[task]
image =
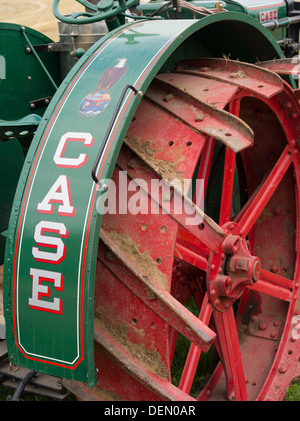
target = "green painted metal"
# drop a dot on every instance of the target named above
(25, 81)
(53, 233)
(260, 10)
(21, 81)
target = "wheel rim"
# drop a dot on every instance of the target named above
(255, 325)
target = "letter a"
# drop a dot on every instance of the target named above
(59, 193)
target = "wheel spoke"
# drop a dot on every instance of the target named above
(173, 332)
(187, 239)
(205, 162)
(189, 256)
(227, 189)
(228, 178)
(278, 280)
(191, 363)
(230, 354)
(272, 290)
(273, 285)
(255, 206)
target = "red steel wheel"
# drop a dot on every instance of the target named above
(239, 265)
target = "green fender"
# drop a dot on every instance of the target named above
(54, 227)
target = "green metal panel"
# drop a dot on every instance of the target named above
(53, 233)
(261, 10)
(22, 80)
(264, 11)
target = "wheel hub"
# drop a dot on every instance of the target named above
(231, 269)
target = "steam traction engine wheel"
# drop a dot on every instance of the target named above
(247, 289)
(190, 301)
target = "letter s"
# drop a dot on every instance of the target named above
(50, 242)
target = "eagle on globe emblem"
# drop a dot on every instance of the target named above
(95, 102)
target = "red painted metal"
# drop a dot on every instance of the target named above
(160, 386)
(193, 357)
(227, 188)
(156, 298)
(151, 265)
(244, 75)
(230, 355)
(258, 203)
(272, 290)
(186, 239)
(228, 177)
(277, 280)
(190, 256)
(285, 66)
(205, 162)
(169, 93)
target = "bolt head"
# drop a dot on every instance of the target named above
(274, 269)
(277, 211)
(282, 369)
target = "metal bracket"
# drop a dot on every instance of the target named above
(175, 9)
(52, 47)
(40, 103)
(23, 30)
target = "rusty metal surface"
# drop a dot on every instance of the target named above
(174, 97)
(156, 146)
(168, 308)
(244, 75)
(136, 321)
(164, 389)
(286, 66)
(82, 392)
(265, 326)
(172, 197)
(150, 265)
